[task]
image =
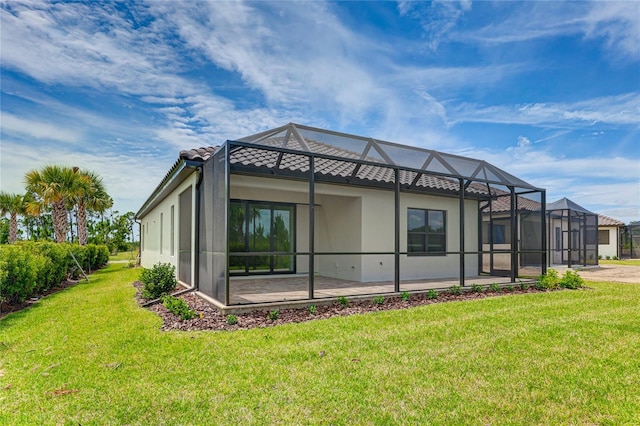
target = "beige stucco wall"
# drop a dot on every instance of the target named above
(354, 219)
(153, 233)
(448, 266)
(282, 191)
(610, 249)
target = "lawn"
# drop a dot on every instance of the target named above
(89, 355)
(627, 262)
(124, 255)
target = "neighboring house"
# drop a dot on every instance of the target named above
(573, 234)
(299, 213)
(631, 241)
(578, 250)
(609, 233)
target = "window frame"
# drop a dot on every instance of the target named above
(272, 206)
(601, 232)
(426, 233)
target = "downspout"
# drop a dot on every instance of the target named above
(195, 285)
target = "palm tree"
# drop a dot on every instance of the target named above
(53, 186)
(91, 196)
(12, 204)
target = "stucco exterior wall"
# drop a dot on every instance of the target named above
(610, 249)
(158, 243)
(355, 219)
(418, 267)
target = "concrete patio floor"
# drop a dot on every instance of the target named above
(250, 290)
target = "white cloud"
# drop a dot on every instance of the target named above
(12, 124)
(437, 18)
(127, 178)
(618, 110)
(597, 183)
(523, 141)
(616, 23)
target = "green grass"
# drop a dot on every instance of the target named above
(566, 357)
(124, 255)
(628, 262)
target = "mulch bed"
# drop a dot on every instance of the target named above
(210, 318)
(7, 308)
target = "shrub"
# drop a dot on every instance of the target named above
(495, 287)
(31, 267)
(608, 257)
(21, 270)
(431, 294)
(523, 285)
(232, 319)
(343, 301)
(548, 281)
(455, 290)
(178, 307)
(58, 269)
(476, 288)
(614, 258)
(158, 280)
(509, 288)
(600, 256)
(80, 254)
(378, 300)
(273, 315)
(571, 280)
(312, 309)
(405, 296)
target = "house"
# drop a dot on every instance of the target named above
(630, 243)
(609, 237)
(299, 213)
(573, 234)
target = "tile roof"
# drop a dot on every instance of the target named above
(310, 140)
(608, 221)
(566, 204)
(198, 154)
(332, 167)
(503, 203)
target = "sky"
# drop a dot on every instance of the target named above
(548, 91)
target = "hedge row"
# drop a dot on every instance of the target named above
(29, 268)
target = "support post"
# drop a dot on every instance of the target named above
(396, 279)
(514, 235)
(312, 226)
(227, 209)
(461, 250)
(569, 239)
(543, 231)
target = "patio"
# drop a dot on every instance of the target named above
(251, 290)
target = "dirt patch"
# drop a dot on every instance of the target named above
(209, 318)
(612, 273)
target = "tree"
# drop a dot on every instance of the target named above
(12, 204)
(4, 230)
(89, 195)
(52, 187)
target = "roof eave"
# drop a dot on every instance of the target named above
(180, 170)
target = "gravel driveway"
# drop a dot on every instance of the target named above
(612, 273)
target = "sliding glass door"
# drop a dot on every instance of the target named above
(260, 227)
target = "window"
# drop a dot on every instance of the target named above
(257, 227)
(426, 231)
(603, 237)
(172, 239)
(499, 234)
(161, 232)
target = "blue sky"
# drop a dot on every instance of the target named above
(549, 91)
